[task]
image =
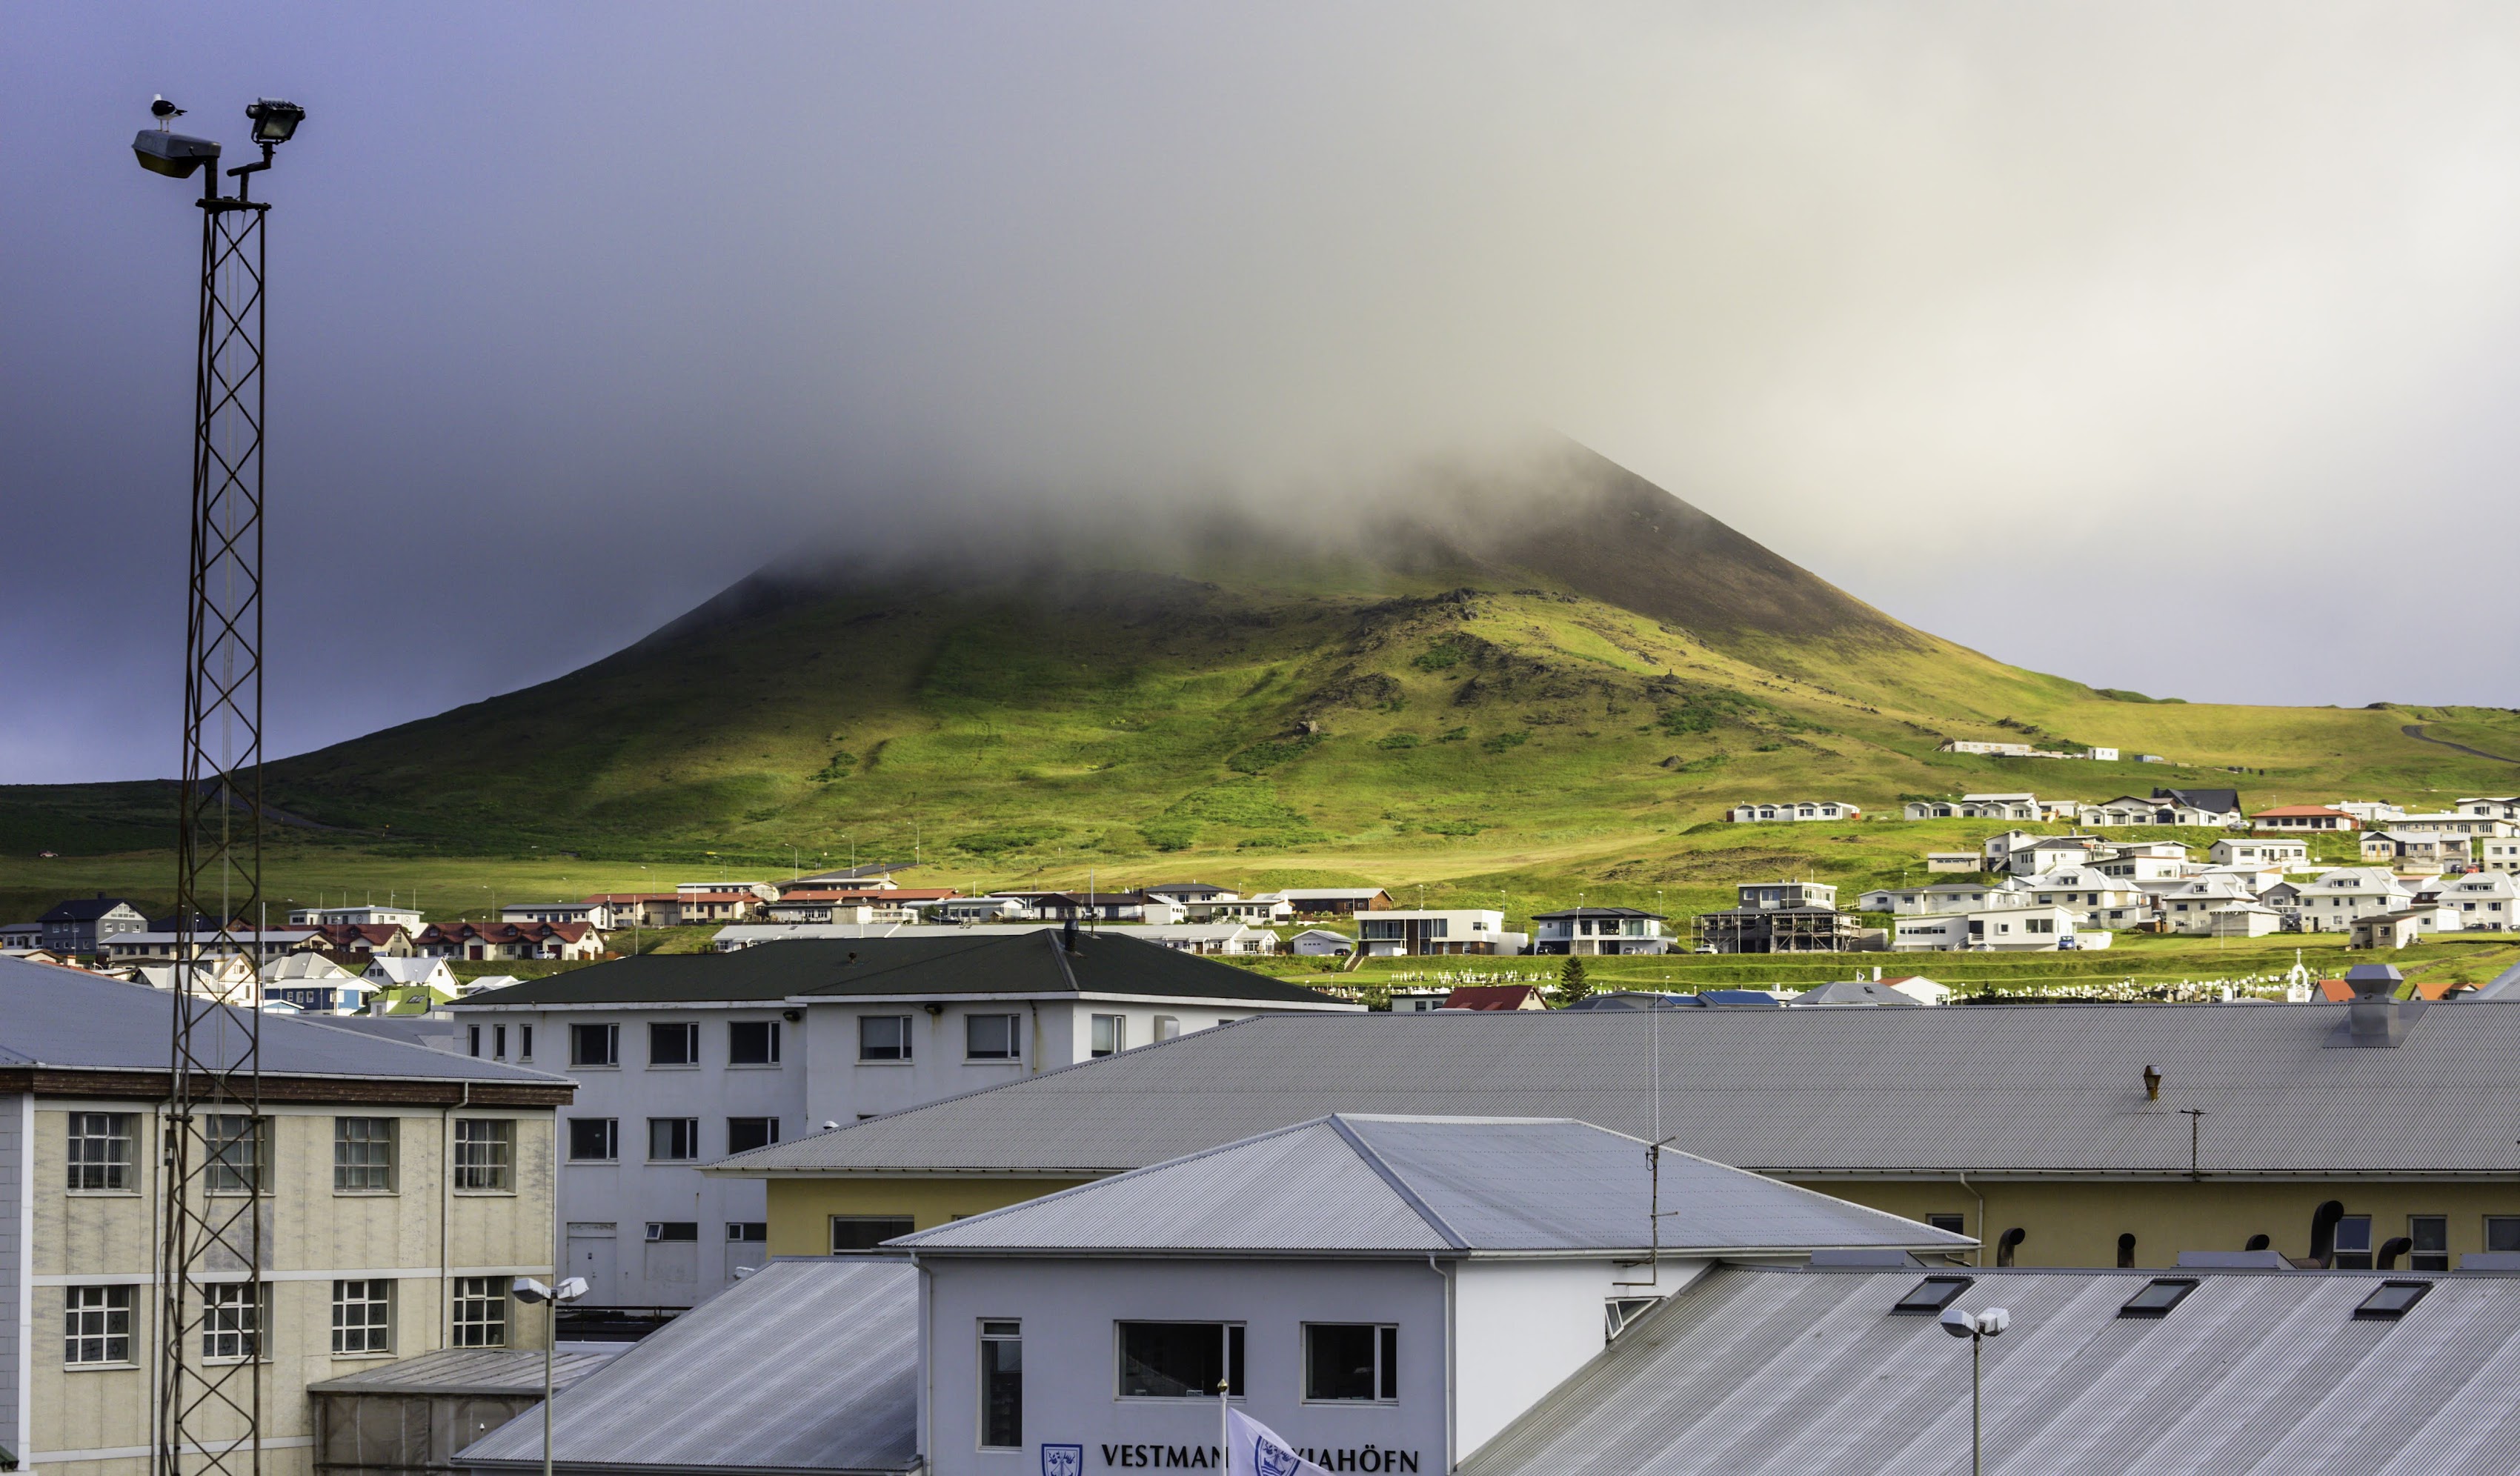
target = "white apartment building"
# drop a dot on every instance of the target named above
(2331, 901)
(2488, 899)
(1793, 810)
(2048, 852)
(2259, 851)
(366, 914)
(2006, 806)
(1946, 898)
(685, 1059)
(1400, 931)
(2098, 899)
(2020, 929)
(2490, 806)
(2190, 907)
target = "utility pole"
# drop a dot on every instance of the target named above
(208, 1416)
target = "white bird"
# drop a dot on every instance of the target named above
(161, 109)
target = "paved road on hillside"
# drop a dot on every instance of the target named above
(2415, 730)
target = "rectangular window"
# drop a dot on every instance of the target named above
(671, 1139)
(524, 1043)
(481, 1313)
(362, 1155)
(363, 1317)
(595, 1044)
(1351, 1360)
(2158, 1297)
(1110, 1034)
(235, 1148)
(2502, 1232)
(673, 1230)
(884, 1037)
(96, 1325)
(1928, 1297)
(674, 1045)
(989, 1037)
(499, 1041)
(753, 1042)
(233, 1314)
(486, 1154)
(1179, 1359)
(1958, 1224)
(1167, 1027)
(472, 1039)
(2354, 1244)
(594, 1140)
(1002, 1386)
(2430, 1237)
(748, 1231)
(744, 1134)
(101, 1152)
(865, 1231)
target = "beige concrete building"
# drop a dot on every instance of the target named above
(400, 1190)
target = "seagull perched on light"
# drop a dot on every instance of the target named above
(161, 109)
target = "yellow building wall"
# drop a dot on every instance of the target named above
(801, 1209)
(313, 1236)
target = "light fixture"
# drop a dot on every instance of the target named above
(273, 121)
(173, 155)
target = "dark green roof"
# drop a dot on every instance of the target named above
(950, 962)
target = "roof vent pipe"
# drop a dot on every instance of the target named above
(2322, 1232)
(2151, 1084)
(2391, 1250)
(1068, 933)
(2375, 1018)
(2011, 1241)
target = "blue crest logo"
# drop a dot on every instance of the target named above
(1063, 1461)
(1270, 1458)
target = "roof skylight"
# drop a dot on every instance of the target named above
(2158, 1296)
(1928, 1297)
(2390, 1300)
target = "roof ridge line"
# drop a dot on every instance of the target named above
(1058, 954)
(1399, 1186)
(1139, 1172)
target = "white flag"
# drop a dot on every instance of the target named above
(1252, 1449)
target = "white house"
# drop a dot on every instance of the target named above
(684, 1060)
(2048, 852)
(2454, 822)
(1997, 848)
(2190, 908)
(1226, 937)
(366, 913)
(1263, 910)
(430, 974)
(1321, 942)
(2498, 855)
(2139, 867)
(1394, 932)
(1951, 861)
(2488, 900)
(1802, 809)
(966, 910)
(315, 984)
(2007, 806)
(2418, 849)
(2099, 900)
(2490, 806)
(1945, 898)
(2255, 850)
(558, 912)
(2025, 929)
(2330, 903)
(1599, 931)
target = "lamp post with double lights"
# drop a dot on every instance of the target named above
(1977, 1327)
(529, 1291)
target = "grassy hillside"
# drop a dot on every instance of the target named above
(1510, 713)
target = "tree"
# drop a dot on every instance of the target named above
(1571, 983)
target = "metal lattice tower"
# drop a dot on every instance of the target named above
(214, 1218)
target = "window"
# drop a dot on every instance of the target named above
(96, 1323)
(362, 1155)
(1351, 1360)
(363, 1317)
(744, 1134)
(884, 1037)
(232, 1319)
(673, 1230)
(747, 1232)
(485, 1155)
(2502, 1232)
(753, 1042)
(595, 1044)
(499, 1041)
(524, 1043)
(236, 1148)
(594, 1140)
(481, 1313)
(673, 1139)
(1110, 1034)
(2429, 1242)
(989, 1037)
(1179, 1359)
(99, 1156)
(2390, 1300)
(674, 1045)
(1957, 1225)
(1002, 1385)
(2158, 1296)
(472, 1039)
(1928, 1297)
(1618, 1312)
(2353, 1243)
(865, 1231)
(1167, 1028)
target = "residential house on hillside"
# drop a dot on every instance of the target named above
(1226, 938)
(1394, 932)
(493, 941)
(365, 914)
(1793, 810)
(1186, 892)
(2048, 852)
(1598, 930)
(1104, 907)
(2167, 807)
(2294, 819)
(2098, 899)
(1493, 997)
(1264, 911)
(682, 1059)
(626, 909)
(2414, 848)
(875, 874)
(2009, 806)
(1951, 861)
(2488, 900)
(1779, 917)
(316, 985)
(1321, 942)
(967, 910)
(81, 927)
(156, 947)
(899, 904)
(22, 936)
(2497, 855)
(1946, 897)
(430, 974)
(2452, 822)
(2035, 928)
(2490, 806)
(2330, 903)
(2260, 850)
(1997, 847)
(2144, 865)
(1335, 901)
(2190, 907)
(698, 903)
(389, 940)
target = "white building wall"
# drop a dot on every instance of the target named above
(1523, 1327)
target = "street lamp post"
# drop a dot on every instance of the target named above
(529, 1291)
(1977, 1327)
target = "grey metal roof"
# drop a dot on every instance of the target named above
(1366, 1185)
(804, 1365)
(1851, 992)
(1755, 1370)
(1863, 1093)
(470, 1371)
(64, 1020)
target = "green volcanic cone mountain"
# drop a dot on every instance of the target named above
(1540, 668)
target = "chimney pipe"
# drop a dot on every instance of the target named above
(2151, 1085)
(2391, 1250)
(2322, 1233)
(2375, 1018)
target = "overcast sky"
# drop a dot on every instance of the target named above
(2169, 346)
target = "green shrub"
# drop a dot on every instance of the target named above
(1437, 659)
(1700, 710)
(1169, 834)
(1399, 740)
(1499, 742)
(1270, 754)
(1453, 736)
(1452, 826)
(1004, 839)
(837, 768)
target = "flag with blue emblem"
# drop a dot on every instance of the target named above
(1252, 1449)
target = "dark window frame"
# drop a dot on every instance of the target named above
(871, 1051)
(1001, 1384)
(2160, 1296)
(1010, 1023)
(768, 1050)
(609, 1052)
(686, 1033)
(609, 1129)
(755, 1133)
(1928, 1297)
(1232, 1342)
(101, 1152)
(687, 1129)
(873, 1230)
(1382, 1371)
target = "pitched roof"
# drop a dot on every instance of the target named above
(2219, 801)
(954, 962)
(82, 909)
(1493, 997)
(1853, 1092)
(803, 1365)
(1371, 1185)
(2305, 810)
(1756, 1369)
(1856, 992)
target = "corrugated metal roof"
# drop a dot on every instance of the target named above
(1367, 1184)
(470, 1371)
(952, 961)
(62, 1018)
(804, 1365)
(1763, 1370)
(1993, 1088)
